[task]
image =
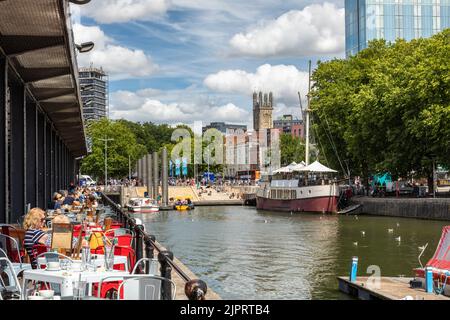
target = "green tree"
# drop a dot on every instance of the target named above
(387, 108)
(291, 149)
(122, 146)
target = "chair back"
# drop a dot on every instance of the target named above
(11, 247)
(151, 263)
(126, 252)
(13, 284)
(53, 257)
(145, 287)
(62, 236)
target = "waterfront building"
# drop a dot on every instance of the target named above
(40, 106)
(94, 93)
(223, 127)
(262, 111)
(287, 124)
(366, 20)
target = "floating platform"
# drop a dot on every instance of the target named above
(389, 288)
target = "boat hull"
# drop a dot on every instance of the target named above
(328, 204)
(143, 209)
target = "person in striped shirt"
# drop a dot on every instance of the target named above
(33, 224)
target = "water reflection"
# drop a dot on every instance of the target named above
(243, 253)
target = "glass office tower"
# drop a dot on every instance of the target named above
(366, 20)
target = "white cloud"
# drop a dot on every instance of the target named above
(285, 81)
(146, 105)
(112, 11)
(119, 62)
(318, 29)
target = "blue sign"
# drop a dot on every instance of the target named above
(185, 170)
(177, 167)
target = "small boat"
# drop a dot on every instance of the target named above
(142, 205)
(440, 262)
(183, 204)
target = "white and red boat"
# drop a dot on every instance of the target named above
(440, 262)
(299, 188)
(142, 205)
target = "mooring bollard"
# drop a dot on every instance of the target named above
(166, 272)
(354, 269)
(195, 289)
(429, 279)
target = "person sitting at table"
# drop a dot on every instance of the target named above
(34, 234)
(91, 203)
(69, 199)
(57, 200)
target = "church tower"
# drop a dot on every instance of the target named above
(262, 111)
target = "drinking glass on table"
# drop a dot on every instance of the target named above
(79, 290)
(109, 257)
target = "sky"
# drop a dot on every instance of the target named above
(180, 61)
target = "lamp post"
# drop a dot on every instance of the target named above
(106, 158)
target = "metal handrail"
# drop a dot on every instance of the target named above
(195, 289)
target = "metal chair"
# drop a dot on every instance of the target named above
(53, 257)
(11, 247)
(152, 265)
(140, 287)
(7, 268)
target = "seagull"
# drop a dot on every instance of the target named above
(355, 243)
(390, 230)
(398, 224)
(398, 239)
(422, 248)
(363, 233)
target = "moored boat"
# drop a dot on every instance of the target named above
(440, 264)
(142, 205)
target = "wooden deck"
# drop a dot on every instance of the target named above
(389, 288)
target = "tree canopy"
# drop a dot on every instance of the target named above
(386, 108)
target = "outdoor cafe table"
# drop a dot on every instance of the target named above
(66, 278)
(98, 260)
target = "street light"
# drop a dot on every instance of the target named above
(106, 158)
(85, 47)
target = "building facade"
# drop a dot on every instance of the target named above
(223, 127)
(94, 93)
(262, 111)
(366, 20)
(287, 124)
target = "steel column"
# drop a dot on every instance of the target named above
(41, 160)
(31, 155)
(144, 171)
(155, 174)
(149, 176)
(164, 177)
(4, 208)
(17, 156)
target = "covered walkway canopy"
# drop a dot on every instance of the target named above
(40, 105)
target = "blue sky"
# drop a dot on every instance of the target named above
(179, 61)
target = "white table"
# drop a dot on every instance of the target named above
(66, 278)
(98, 260)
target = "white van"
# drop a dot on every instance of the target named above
(87, 180)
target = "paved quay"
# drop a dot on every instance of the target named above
(421, 208)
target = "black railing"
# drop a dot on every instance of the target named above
(195, 289)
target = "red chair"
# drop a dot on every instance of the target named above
(76, 230)
(126, 252)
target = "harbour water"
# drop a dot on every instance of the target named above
(243, 253)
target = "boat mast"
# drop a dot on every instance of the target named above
(307, 116)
